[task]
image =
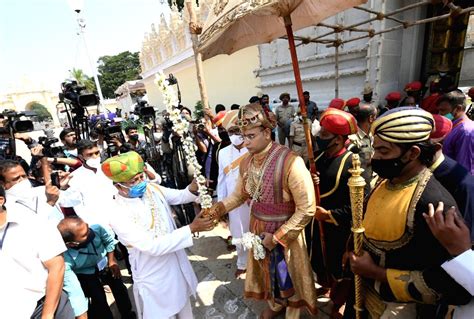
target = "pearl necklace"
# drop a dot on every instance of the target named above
(158, 226)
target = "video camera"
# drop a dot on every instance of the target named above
(11, 123)
(143, 110)
(110, 132)
(14, 124)
(72, 93)
(48, 149)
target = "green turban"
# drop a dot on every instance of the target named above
(123, 167)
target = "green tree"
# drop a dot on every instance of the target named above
(198, 111)
(41, 111)
(83, 79)
(116, 69)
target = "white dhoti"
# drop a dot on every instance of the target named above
(239, 218)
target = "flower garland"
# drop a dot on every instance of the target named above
(250, 240)
(181, 127)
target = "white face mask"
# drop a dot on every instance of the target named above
(23, 190)
(93, 162)
(236, 140)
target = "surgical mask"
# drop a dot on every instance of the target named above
(323, 144)
(134, 137)
(93, 162)
(388, 168)
(85, 243)
(71, 152)
(442, 74)
(22, 189)
(137, 190)
(449, 116)
(236, 140)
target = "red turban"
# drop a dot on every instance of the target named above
(353, 102)
(442, 128)
(413, 86)
(393, 96)
(219, 118)
(338, 122)
(337, 104)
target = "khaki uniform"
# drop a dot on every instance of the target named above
(299, 141)
(284, 114)
(364, 142)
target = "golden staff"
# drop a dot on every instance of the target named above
(356, 188)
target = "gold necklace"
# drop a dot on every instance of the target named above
(255, 178)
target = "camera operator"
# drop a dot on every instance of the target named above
(69, 139)
(42, 200)
(133, 139)
(210, 138)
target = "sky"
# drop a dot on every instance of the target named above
(39, 41)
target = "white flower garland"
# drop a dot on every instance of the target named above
(250, 240)
(181, 127)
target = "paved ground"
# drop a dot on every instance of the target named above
(219, 295)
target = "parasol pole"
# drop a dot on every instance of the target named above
(307, 131)
(356, 185)
(195, 29)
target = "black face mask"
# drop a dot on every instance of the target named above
(134, 137)
(388, 168)
(90, 238)
(323, 144)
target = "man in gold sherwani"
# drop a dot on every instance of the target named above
(281, 195)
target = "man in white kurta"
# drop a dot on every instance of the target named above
(89, 187)
(229, 160)
(141, 217)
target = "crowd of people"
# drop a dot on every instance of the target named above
(61, 239)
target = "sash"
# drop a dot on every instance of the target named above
(235, 163)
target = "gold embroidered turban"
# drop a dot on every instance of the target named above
(404, 125)
(253, 115)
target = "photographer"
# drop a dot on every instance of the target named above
(69, 139)
(133, 139)
(42, 200)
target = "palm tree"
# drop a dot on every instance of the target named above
(83, 79)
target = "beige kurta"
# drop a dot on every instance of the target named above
(297, 186)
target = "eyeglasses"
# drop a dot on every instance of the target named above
(250, 137)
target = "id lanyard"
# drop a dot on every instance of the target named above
(3, 237)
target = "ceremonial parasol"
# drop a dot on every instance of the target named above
(236, 24)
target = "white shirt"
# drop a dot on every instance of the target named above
(461, 269)
(35, 202)
(163, 276)
(94, 191)
(29, 241)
